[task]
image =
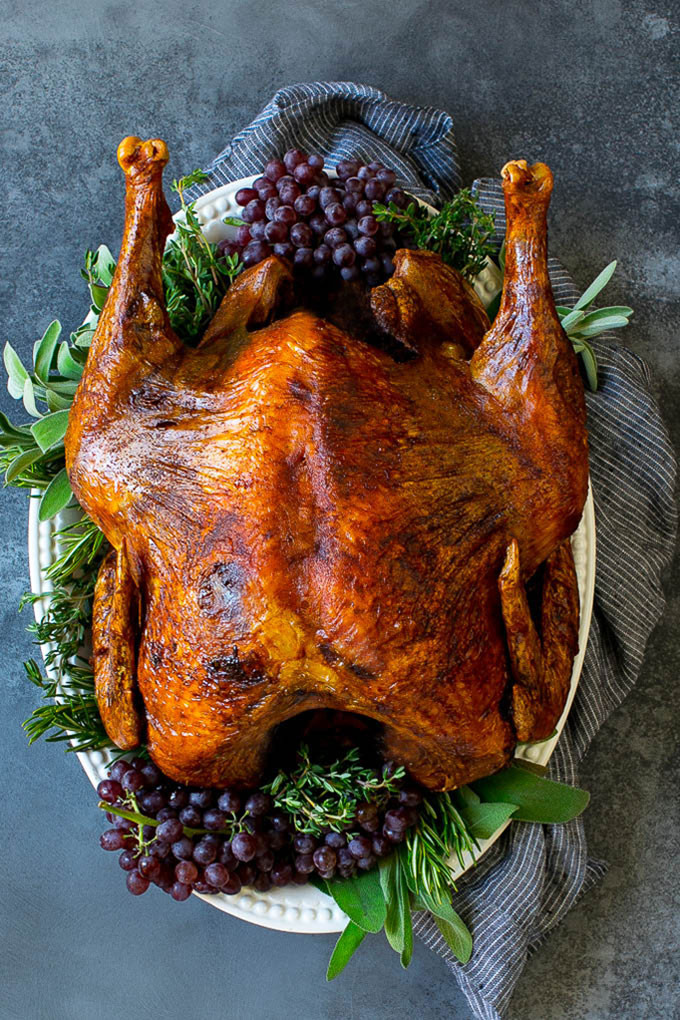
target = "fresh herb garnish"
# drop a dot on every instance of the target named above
(319, 797)
(461, 232)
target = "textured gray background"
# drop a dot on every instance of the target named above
(590, 86)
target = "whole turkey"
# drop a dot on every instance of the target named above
(301, 518)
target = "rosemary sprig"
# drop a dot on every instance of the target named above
(461, 233)
(319, 797)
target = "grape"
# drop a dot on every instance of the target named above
(253, 211)
(216, 874)
(160, 849)
(263, 882)
(360, 846)
(270, 207)
(366, 863)
(349, 203)
(183, 849)
(165, 813)
(347, 168)
(304, 257)
(281, 874)
(152, 802)
(289, 192)
(344, 255)
(148, 832)
(335, 840)
(301, 235)
(136, 883)
(255, 252)
(279, 821)
(304, 863)
(304, 205)
(245, 195)
(324, 858)
(118, 769)
(347, 870)
(243, 846)
(109, 790)
(350, 272)
(364, 208)
(381, 845)
(205, 851)
(374, 190)
(166, 876)
(334, 237)
(397, 196)
(229, 801)
(214, 819)
(170, 830)
(180, 891)
(284, 250)
(335, 214)
(329, 196)
(265, 861)
(304, 174)
(257, 230)
(227, 857)
(285, 214)
(277, 840)
(228, 248)
(299, 879)
(274, 170)
(368, 225)
(322, 254)
(364, 173)
(149, 867)
(394, 835)
(355, 186)
(191, 817)
(328, 875)
(187, 872)
(232, 886)
(316, 162)
(265, 188)
(178, 798)
(304, 844)
(261, 843)
(247, 873)
(365, 246)
(132, 781)
(371, 266)
(314, 192)
(375, 165)
(242, 237)
(112, 839)
(386, 177)
(204, 887)
(397, 818)
(276, 232)
(128, 860)
(258, 804)
(293, 158)
(351, 228)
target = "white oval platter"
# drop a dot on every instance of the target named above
(304, 909)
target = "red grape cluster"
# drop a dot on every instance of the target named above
(325, 226)
(243, 839)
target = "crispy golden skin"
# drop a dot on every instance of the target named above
(311, 523)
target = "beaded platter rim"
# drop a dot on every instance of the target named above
(305, 909)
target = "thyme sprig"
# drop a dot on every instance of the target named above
(319, 797)
(461, 232)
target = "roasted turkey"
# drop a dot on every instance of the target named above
(301, 518)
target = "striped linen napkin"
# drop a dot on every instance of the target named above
(524, 886)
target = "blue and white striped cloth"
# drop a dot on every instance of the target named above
(524, 886)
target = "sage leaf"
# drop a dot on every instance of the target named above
(50, 430)
(19, 464)
(466, 795)
(17, 433)
(67, 364)
(44, 354)
(55, 402)
(484, 819)
(598, 284)
(571, 318)
(361, 897)
(407, 923)
(398, 926)
(345, 948)
(29, 398)
(538, 799)
(56, 496)
(16, 373)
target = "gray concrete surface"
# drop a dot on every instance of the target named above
(591, 86)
